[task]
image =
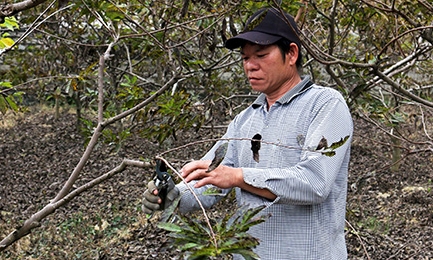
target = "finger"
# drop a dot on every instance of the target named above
(146, 210)
(196, 175)
(202, 182)
(151, 198)
(152, 187)
(150, 203)
(149, 208)
(193, 166)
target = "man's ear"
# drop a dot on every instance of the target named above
(292, 54)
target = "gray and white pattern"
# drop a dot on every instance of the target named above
(308, 216)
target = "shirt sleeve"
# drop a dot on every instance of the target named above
(311, 180)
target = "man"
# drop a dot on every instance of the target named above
(304, 191)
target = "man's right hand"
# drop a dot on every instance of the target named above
(151, 201)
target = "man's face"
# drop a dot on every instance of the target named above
(266, 70)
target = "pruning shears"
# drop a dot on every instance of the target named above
(163, 181)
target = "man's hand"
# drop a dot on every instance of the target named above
(223, 176)
(151, 201)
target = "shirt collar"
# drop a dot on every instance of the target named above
(287, 97)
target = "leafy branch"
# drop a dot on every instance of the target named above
(193, 235)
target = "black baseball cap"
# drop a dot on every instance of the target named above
(264, 27)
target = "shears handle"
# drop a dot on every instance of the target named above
(163, 181)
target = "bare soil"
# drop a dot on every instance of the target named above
(389, 213)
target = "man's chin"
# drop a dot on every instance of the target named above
(257, 88)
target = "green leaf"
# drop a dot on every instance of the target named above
(196, 227)
(339, 143)
(213, 191)
(247, 254)
(203, 253)
(6, 42)
(10, 23)
(329, 153)
(169, 227)
(114, 15)
(193, 237)
(6, 84)
(3, 105)
(12, 103)
(221, 225)
(188, 246)
(330, 150)
(251, 212)
(254, 221)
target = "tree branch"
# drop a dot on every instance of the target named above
(8, 10)
(397, 86)
(35, 219)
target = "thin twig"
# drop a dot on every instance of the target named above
(196, 198)
(360, 239)
(237, 139)
(424, 124)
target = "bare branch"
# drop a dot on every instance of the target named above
(390, 9)
(422, 28)
(424, 124)
(301, 11)
(102, 60)
(35, 219)
(403, 91)
(83, 160)
(8, 10)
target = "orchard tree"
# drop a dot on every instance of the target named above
(163, 65)
(151, 62)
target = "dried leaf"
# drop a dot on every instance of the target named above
(323, 144)
(255, 146)
(220, 152)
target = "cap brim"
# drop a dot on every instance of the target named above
(253, 37)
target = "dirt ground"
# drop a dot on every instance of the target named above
(389, 213)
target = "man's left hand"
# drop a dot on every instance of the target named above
(223, 177)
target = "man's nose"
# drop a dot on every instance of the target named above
(251, 64)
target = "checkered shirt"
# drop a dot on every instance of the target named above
(308, 216)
